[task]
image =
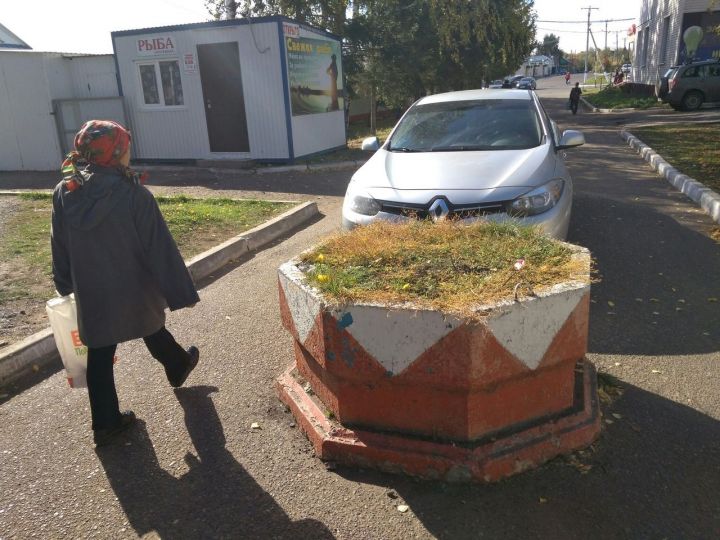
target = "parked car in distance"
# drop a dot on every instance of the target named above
(496, 84)
(526, 83)
(626, 68)
(469, 155)
(514, 80)
(688, 86)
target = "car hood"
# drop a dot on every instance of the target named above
(448, 171)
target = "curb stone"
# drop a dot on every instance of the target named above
(310, 167)
(39, 349)
(705, 197)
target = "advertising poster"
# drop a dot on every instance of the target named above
(700, 36)
(315, 75)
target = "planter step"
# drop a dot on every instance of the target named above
(514, 449)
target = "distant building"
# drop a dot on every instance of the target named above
(8, 40)
(671, 32)
(537, 66)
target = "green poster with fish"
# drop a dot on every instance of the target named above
(315, 75)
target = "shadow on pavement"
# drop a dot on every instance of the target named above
(654, 474)
(216, 498)
(656, 294)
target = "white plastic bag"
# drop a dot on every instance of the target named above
(63, 321)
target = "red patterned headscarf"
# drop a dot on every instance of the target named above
(102, 142)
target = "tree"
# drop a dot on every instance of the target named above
(404, 49)
(550, 46)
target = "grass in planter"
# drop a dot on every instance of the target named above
(445, 265)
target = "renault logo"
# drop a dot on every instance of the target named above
(439, 210)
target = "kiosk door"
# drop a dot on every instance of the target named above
(223, 97)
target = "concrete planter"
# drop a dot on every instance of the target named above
(412, 376)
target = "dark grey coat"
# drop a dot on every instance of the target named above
(112, 248)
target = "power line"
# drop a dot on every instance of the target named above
(573, 31)
(584, 22)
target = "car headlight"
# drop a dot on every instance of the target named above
(538, 200)
(366, 206)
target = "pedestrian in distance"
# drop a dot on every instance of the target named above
(112, 248)
(567, 77)
(575, 97)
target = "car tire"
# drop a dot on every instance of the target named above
(692, 100)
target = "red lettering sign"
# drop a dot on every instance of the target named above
(155, 45)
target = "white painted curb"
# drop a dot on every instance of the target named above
(705, 197)
(40, 350)
(332, 165)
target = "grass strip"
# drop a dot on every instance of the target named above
(693, 149)
(447, 265)
(196, 225)
(614, 97)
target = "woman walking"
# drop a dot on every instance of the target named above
(575, 97)
(112, 248)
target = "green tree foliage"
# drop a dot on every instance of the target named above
(550, 46)
(404, 49)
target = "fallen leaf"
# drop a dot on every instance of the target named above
(254, 425)
(611, 303)
(543, 500)
(656, 371)
(403, 508)
(616, 415)
(638, 299)
(654, 300)
(608, 421)
(712, 299)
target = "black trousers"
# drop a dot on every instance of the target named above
(574, 106)
(104, 406)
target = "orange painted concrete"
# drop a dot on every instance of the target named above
(512, 451)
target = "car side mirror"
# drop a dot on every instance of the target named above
(571, 139)
(370, 144)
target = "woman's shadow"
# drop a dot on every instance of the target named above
(216, 498)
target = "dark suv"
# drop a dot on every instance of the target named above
(687, 87)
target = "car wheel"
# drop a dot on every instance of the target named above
(692, 101)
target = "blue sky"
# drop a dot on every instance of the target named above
(84, 26)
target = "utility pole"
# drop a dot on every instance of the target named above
(606, 32)
(587, 40)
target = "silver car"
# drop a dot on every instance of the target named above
(475, 154)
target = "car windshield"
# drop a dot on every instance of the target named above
(489, 124)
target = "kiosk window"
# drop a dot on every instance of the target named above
(168, 92)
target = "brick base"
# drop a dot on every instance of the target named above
(514, 449)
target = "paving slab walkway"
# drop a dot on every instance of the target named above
(194, 468)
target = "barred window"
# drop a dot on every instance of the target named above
(161, 83)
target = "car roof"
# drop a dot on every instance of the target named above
(476, 95)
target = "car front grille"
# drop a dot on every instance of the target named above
(456, 211)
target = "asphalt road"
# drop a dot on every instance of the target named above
(193, 467)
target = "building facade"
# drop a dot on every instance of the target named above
(268, 89)
(671, 32)
(45, 97)
(8, 40)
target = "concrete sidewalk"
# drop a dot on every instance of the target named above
(193, 468)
